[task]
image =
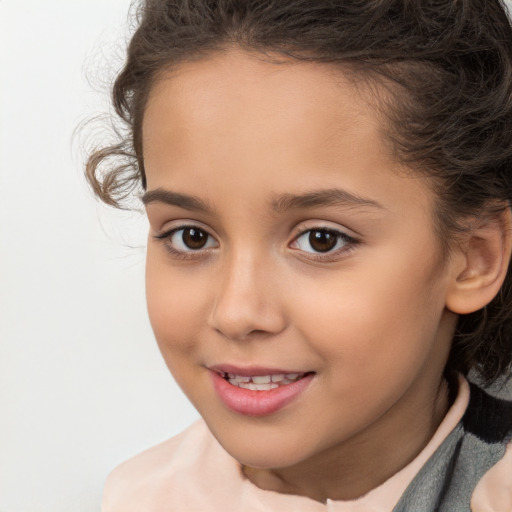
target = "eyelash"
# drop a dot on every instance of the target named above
(348, 243)
(180, 254)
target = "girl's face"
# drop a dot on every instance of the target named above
(284, 239)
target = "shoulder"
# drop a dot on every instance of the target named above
(494, 491)
(490, 420)
(144, 481)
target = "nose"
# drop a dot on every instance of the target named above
(246, 303)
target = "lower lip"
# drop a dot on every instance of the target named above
(258, 403)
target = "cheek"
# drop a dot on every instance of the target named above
(174, 307)
(379, 318)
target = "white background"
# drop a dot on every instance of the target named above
(82, 385)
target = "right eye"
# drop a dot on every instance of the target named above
(188, 239)
(322, 241)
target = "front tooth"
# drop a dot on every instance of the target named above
(258, 387)
(239, 380)
(261, 379)
(278, 378)
(265, 387)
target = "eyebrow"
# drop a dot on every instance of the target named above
(328, 197)
(187, 202)
(283, 203)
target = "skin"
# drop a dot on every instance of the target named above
(370, 317)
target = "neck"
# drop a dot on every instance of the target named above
(362, 463)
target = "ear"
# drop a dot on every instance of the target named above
(480, 264)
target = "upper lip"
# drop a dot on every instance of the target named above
(250, 371)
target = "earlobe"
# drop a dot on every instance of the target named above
(480, 265)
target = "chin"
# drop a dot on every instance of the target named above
(265, 459)
(262, 451)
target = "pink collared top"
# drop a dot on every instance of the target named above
(191, 472)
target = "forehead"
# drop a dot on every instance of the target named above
(223, 82)
(261, 104)
(248, 121)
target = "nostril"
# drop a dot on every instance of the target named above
(246, 316)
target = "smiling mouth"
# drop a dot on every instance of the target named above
(263, 382)
(258, 391)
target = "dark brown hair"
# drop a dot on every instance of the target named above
(447, 65)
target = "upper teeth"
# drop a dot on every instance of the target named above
(262, 382)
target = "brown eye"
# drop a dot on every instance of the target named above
(322, 240)
(188, 239)
(194, 238)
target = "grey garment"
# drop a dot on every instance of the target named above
(447, 480)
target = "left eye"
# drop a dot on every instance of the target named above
(190, 239)
(321, 240)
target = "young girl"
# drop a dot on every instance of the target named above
(328, 188)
